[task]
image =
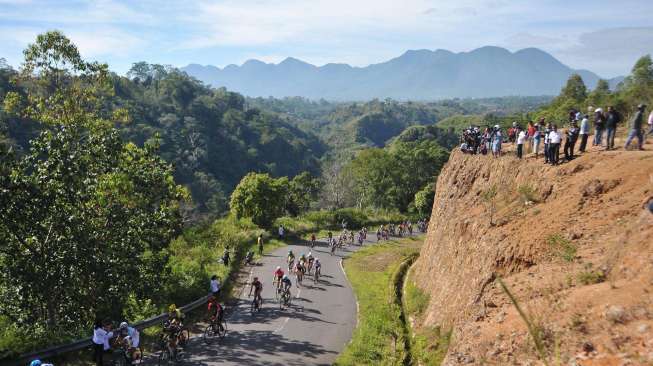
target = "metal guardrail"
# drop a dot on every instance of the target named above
(25, 359)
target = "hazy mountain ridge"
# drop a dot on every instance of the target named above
(415, 75)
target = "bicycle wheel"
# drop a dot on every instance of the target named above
(281, 301)
(183, 337)
(164, 356)
(222, 329)
(120, 358)
(209, 334)
(253, 307)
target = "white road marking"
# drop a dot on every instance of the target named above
(285, 321)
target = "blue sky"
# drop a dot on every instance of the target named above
(603, 36)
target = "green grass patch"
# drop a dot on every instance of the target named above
(562, 247)
(415, 300)
(590, 276)
(378, 337)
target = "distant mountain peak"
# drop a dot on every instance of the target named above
(419, 74)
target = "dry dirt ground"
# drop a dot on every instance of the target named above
(573, 243)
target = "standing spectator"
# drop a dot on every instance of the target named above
(512, 133)
(612, 120)
(282, 231)
(496, 142)
(570, 141)
(584, 133)
(531, 134)
(101, 335)
(547, 143)
(636, 128)
(537, 138)
(650, 123)
(215, 285)
(554, 145)
(259, 242)
(599, 126)
(521, 138)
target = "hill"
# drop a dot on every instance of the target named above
(572, 244)
(415, 75)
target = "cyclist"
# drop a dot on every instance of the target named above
(277, 276)
(291, 259)
(215, 309)
(130, 334)
(287, 284)
(257, 286)
(318, 266)
(302, 258)
(173, 326)
(310, 261)
(299, 271)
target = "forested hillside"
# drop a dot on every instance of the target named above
(209, 135)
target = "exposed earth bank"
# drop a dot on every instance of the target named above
(573, 243)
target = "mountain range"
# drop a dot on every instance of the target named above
(416, 75)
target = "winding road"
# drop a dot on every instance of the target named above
(312, 331)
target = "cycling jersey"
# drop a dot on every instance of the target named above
(258, 286)
(278, 273)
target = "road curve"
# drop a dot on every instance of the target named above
(313, 331)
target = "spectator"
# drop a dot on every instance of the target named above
(512, 133)
(282, 231)
(650, 123)
(215, 285)
(570, 141)
(101, 335)
(612, 120)
(531, 134)
(259, 242)
(554, 146)
(521, 138)
(537, 138)
(584, 133)
(599, 126)
(496, 142)
(636, 128)
(547, 143)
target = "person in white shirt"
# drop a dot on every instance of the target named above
(554, 145)
(215, 285)
(101, 336)
(650, 124)
(132, 333)
(281, 231)
(521, 138)
(584, 133)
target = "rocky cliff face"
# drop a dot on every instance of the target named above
(572, 242)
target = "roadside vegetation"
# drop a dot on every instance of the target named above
(379, 337)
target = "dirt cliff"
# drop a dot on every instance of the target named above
(573, 243)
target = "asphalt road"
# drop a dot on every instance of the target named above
(312, 331)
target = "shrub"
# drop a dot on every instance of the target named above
(563, 248)
(590, 276)
(527, 193)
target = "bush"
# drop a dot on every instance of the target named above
(563, 248)
(590, 276)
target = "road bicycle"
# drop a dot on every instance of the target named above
(215, 330)
(284, 299)
(256, 305)
(125, 354)
(316, 275)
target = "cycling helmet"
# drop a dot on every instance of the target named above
(310, 254)
(255, 279)
(35, 363)
(278, 268)
(285, 277)
(123, 325)
(172, 308)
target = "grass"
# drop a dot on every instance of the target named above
(527, 193)
(562, 247)
(589, 276)
(429, 345)
(378, 338)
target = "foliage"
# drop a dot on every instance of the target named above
(415, 300)
(527, 193)
(390, 178)
(590, 276)
(424, 198)
(562, 247)
(260, 197)
(83, 213)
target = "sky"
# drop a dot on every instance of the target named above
(604, 36)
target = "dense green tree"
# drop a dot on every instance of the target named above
(639, 84)
(575, 89)
(260, 197)
(86, 218)
(424, 199)
(302, 191)
(600, 96)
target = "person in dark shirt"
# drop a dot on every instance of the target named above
(599, 126)
(570, 141)
(612, 120)
(636, 128)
